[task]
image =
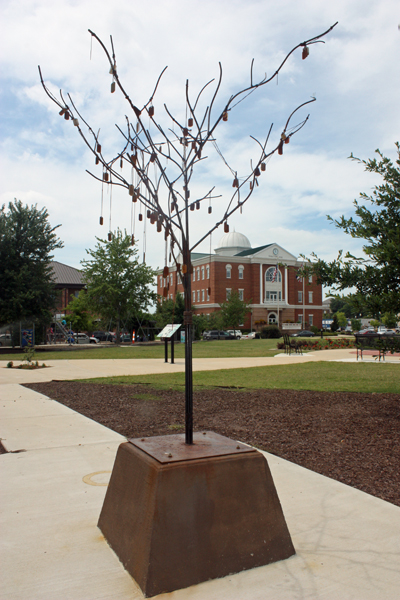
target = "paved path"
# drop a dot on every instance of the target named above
(54, 480)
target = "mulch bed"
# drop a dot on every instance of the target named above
(351, 437)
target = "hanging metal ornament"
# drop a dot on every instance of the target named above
(109, 236)
(287, 139)
(105, 176)
(280, 148)
(257, 172)
(263, 166)
(225, 116)
(97, 160)
(235, 183)
(165, 271)
(226, 227)
(113, 87)
(305, 52)
(98, 149)
(121, 162)
(140, 217)
(198, 205)
(151, 111)
(101, 220)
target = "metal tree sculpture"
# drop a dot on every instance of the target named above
(164, 191)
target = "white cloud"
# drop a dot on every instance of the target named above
(355, 76)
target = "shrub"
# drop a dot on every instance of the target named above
(314, 329)
(271, 332)
(10, 364)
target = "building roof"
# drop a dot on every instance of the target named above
(196, 255)
(65, 275)
(252, 250)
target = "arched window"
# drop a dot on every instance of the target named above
(198, 273)
(273, 275)
(202, 272)
(228, 271)
(241, 271)
(273, 285)
(272, 320)
(208, 271)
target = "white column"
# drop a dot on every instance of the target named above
(286, 286)
(261, 285)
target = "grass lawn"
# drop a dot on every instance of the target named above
(321, 376)
(214, 349)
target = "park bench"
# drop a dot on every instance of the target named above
(380, 343)
(291, 344)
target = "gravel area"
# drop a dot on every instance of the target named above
(351, 437)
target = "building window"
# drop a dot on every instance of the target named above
(300, 296)
(310, 300)
(194, 274)
(241, 271)
(311, 320)
(228, 293)
(241, 295)
(194, 296)
(272, 318)
(202, 272)
(310, 279)
(202, 295)
(198, 295)
(208, 271)
(273, 296)
(300, 319)
(161, 281)
(208, 295)
(273, 275)
(198, 273)
(171, 278)
(228, 271)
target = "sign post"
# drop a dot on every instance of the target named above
(168, 333)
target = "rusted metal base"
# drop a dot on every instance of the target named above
(177, 515)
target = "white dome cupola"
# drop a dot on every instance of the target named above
(231, 243)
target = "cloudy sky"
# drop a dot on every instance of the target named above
(355, 77)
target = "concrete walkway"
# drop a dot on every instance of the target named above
(53, 485)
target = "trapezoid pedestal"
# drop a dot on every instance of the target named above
(177, 514)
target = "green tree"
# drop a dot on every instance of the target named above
(117, 285)
(234, 310)
(169, 311)
(79, 314)
(389, 320)
(334, 324)
(376, 277)
(356, 324)
(26, 242)
(341, 319)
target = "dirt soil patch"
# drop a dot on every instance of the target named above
(351, 437)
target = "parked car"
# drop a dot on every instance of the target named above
(103, 336)
(236, 332)
(254, 335)
(5, 339)
(82, 338)
(368, 332)
(125, 337)
(304, 333)
(388, 332)
(218, 335)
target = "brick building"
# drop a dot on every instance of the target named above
(266, 276)
(68, 282)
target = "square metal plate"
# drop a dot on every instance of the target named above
(172, 448)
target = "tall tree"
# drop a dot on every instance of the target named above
(26, 242)
(158, 158)
(376, 277)
(117, 285)
(79, 314)
(234, 310)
